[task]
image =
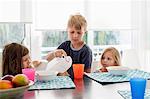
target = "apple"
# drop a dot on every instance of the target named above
(20, 80)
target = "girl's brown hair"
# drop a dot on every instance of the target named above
(12, 58)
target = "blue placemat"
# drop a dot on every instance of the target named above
(59, 82)
(127, 94)
(109, 78)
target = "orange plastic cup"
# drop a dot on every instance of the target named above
(78, 70)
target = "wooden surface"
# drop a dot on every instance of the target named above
(85, 89)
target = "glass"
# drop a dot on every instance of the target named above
(78, 70)
(114, 37)
(30, 73)
(13, 32)
(138, 86)
(53, 38)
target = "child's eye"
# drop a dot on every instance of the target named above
(25, 60)
(79, 32)
(108, 58)
(103, 57)
(72, 32)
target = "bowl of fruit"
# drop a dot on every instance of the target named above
(14, 86)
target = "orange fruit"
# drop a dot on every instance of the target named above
(5, 84)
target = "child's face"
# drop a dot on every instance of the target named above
(75, 35)
(107, 59)
(26, 60)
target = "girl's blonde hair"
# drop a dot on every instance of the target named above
(115, 53)
(77, 21)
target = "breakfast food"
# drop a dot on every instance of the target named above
(10, 81)
(7, 77)
(5, 84)
(20, 80)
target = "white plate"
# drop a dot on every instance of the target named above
(117, 70)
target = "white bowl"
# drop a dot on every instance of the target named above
(117, 70)
(14, 93)
(42, 75)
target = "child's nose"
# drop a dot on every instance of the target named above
(75, 35)
(105, 60)
(29, 60)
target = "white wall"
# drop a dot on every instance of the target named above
(109, 14)
(101, 14)
(16, 11)
(141, 31)
(53, 14)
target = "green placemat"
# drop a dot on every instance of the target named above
(127, 94)
(109, 78)
(59, 82)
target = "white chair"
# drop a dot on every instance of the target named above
(94, 66)
(0, 64)
(130, 58)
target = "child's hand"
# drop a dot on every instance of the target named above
(36, 63)
(56, 53)
(63, 74)
(59, 53)
(103, 69)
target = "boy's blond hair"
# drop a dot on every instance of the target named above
(77, 21)
(115, 53)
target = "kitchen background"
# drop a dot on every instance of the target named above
(41, 26)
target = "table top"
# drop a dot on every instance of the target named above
(85, 89)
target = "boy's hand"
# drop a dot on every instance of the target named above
(59, 53)
(63, 74)
(56, 53)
